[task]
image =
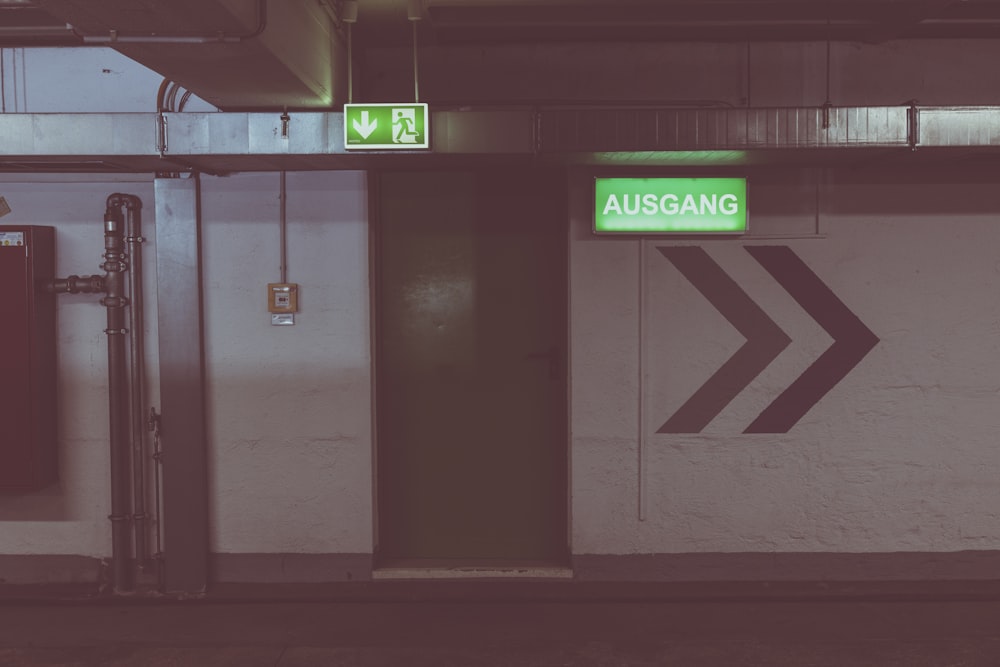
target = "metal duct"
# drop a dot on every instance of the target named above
(225, 142)
(720, 136)
(958, 127)
(716, 21)
(235, 54)
(588, 131)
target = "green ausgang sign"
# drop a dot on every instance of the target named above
(670, 205)
(385, 126)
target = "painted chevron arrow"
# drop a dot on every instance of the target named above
(765, 339)
(852, 340)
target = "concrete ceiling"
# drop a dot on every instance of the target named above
(235, 54)
(276, 54)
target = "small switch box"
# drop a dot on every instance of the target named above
(282, 297)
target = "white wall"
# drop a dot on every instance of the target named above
(289, 407)
(898, 456)
(72, 517)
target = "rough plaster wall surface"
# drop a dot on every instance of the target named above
(289, 407)
(899, 456)
(71, 517)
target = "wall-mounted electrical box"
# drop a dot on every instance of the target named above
(27, 359)
(282, 302)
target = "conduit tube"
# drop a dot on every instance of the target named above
(137, 373)
(126, 380)
(118, 398)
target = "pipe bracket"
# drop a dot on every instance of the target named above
(913, 125)
(161, 134)
(114, 302)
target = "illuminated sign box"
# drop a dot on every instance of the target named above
(386, 127)
(670, 205)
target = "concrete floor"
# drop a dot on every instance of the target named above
(489, 624)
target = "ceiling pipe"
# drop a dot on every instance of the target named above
(114, 37)
(22, 36)
(41, 31)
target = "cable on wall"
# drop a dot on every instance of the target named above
(349, 16)
(641, 440)
(282, 296)
(414, 15)
(283, 227)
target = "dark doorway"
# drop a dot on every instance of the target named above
(471, 333)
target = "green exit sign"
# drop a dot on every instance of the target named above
(385, 126)
(670, 205)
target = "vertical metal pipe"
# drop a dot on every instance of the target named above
(137, 375)
(641, 444)
(828, 102)
(749, 103)
(350, 64)
(115, 302)
(283, 228)
(3, 82)
(416, 71)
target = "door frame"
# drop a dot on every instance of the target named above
(564, 486)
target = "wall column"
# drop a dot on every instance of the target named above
(182, 385)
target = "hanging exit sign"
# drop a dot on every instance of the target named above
(670, 205)
(385, 126)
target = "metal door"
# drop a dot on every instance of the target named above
(471, 382)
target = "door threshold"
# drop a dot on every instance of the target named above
(473, 572)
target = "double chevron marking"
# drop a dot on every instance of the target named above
(852, 340)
